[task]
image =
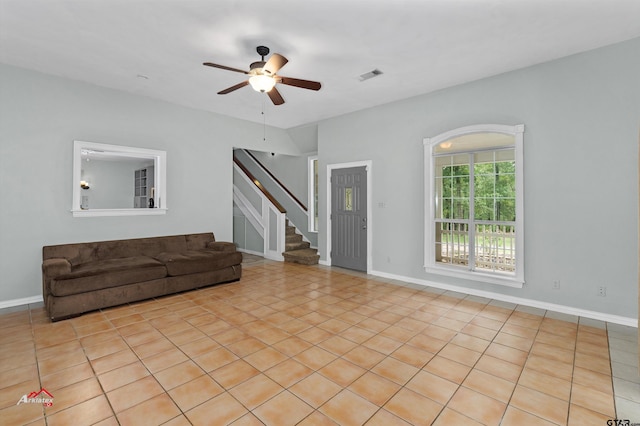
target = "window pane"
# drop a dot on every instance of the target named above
(348, 199)
(506, 209)
(505, 184)
(452, 243)
(483, 168)
(484, 186)
(495, 248)
(460, 208)
(484, 209)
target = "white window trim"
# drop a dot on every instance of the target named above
(430, 264)
(311, 211)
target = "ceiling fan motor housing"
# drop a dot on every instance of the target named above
(262, 51)
(256, 67)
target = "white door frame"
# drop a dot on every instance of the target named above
(369, 167)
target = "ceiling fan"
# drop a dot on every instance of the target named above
(263, 77)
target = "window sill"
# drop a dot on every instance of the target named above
(505, 280)
(118, 212)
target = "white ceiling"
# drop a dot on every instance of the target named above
(420, 46)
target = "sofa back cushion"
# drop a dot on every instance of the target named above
(79, 253)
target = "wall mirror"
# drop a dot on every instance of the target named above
(114, 180)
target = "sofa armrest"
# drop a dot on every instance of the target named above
(221, 246)
(55, 267)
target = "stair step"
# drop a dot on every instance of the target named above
(296, 245)
(293, 238)
(290, 230)
(306, 256)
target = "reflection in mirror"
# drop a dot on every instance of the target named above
(113, 180)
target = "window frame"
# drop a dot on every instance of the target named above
(430, 265)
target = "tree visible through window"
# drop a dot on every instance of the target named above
(474, 202)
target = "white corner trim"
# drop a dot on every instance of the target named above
(19, 302)
(616, 319)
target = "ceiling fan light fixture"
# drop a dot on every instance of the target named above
(262, 83)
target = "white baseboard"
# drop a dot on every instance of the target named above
(19, 302)
(616, 319)
(255, 253)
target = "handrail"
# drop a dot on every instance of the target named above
(257, 183)
(285, 189)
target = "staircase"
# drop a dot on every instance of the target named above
(298, 251)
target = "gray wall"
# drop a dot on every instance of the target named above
(581, 117)
(41, 116)
(290, 170)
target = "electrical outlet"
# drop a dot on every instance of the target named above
(602, 291)
(556, 285)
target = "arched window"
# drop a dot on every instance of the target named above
(474, 204)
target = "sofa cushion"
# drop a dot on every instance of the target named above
(194, 261)
(101, 274)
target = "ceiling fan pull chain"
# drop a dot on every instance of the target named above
(264, 123)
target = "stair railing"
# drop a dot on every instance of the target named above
(296, 211)
(265, 214)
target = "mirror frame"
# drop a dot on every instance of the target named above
(160, 176)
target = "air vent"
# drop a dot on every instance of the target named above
(370, 74)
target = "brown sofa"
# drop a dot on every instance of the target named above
(83, 277)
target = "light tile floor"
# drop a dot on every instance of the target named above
(292, 344)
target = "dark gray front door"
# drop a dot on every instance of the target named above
(349, 218)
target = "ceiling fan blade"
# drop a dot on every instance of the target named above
(275, 96)
(275, 62)
(232, 88)
(305, 84)
(210, 64)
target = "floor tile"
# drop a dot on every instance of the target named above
(288, 372)
(178, 374)
(395, 370)
(447, 369)
(374, 388)
(413, 407)
(318, 345)
(347, 408)
(545, 383)
(342, 372)
(195, 392)
(74, 394)
(87, 412)
(255, 391)
(579, 416)
(626, 409)
(516, 417)
(450, 417)
(283, 409)
(433, 387)
(315, 357)
(156, 410)
(315, 389)
(492, 386)
(594, 400)
(499, 368)
(540, 404)
(129, 395)
(479, 407)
